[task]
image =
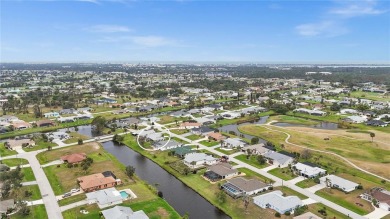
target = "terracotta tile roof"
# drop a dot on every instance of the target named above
(193, 124)
(95, 180)
(216, 135)
(74, 158)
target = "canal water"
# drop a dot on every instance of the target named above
(234, 128)
(321, 125)
(182, 198)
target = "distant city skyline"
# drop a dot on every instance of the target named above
(122, 31)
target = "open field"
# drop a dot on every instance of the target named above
(293, 120)
(74, 137)
(373, 156)
(194, 137)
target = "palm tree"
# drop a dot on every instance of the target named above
(372, 136)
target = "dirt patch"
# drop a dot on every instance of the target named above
(162, 212)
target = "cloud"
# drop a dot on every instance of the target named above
(357, 8)
(146, 41)
(108, 29)
(90, 1)
(323, 28)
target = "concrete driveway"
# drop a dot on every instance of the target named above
(377, 213)
(297, 180)
(315, 188)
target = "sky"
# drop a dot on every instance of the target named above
(334, 31)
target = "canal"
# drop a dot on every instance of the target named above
(234, 128)
(182, 198)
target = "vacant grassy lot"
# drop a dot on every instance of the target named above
(91, 149)
(179, 131)
(209, 143)
(194, 137)
(35, 193)
(331, 213)
(252, 161)
(6, 152)
(36, 211)
(14, 162)
(347, 200)
(40, 144)
(74, 137)
(169, 119)
(283, 173)
(28, 174)
(307, 183)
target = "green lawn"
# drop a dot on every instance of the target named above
(283, 173)
(331, 213)
(34, 189)
(40, 144)
(36, 211)
(179, 131)
(228, 152)
(74, 137)
(346, 200)
(14, 162)
(194, 137)
(249, 173)
(294, 120)
(72, 199)
(287, 191)
(307, 183)
(28, 174)
(209, 143)
(251, 161)
(6, 152)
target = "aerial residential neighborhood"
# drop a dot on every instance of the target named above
(264, 109)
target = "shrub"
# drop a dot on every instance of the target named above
(287, 213)
(277, 214)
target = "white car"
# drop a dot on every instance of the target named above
(74, 190)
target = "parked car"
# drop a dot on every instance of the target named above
(74, 190)
(67, 195)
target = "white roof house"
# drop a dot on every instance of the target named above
(278, 159)
(105, 198)
(120, 212)
(356, 119)
(308, 170)
(196, 160)
(234, 143)
(338, 182)
(276, 201)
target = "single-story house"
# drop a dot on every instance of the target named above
(339, 183)
(202, 130)
(196, 160)
(51, 114)
(16, 144)
(278, 159)
(239, 186)
(216, 136)
(355, 119)
(165, 145)
(220, 171)
(66, 119)
(310, 112)
(84, 109)
(180, 113)
(58, 135)
(68, 111)
(375, 122)
(348, 111)
(257, 149)
(308, 170)
(382, 197)
(7, 205)
(120, 212)
(97, 181)
(233, 143)
(189, 125)
(44, 123)
(8, 118)
(276, 201)
(105, 198)
(19, 125)
(74, 158)
(216, 106)
(182, 151)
